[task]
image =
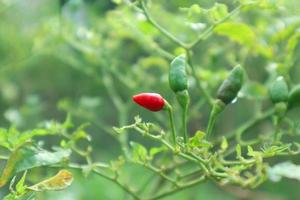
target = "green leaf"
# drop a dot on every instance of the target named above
(238, 150)
(250, 151)
(15, 196)
(3, 138)
(198, 140)
(218, 11)
(293, 42)
(237, 32)
(199, 135)
(157, 150)
(27, 157)
(224, 144)
(12, 138)
(270, 151)
(20, 187)
(194, 9)
(139, 152)
(117, 1)
(60, 181)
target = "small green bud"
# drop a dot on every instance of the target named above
(279, 91)
(294, 97)
(177, 74)
(231, 86)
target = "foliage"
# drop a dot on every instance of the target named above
(87, 58)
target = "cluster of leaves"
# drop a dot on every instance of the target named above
(93, 47)
(23, 153)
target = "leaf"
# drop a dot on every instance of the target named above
(238, 150)
(194, 9)
(60, 181)
(139, 152)
(117, 1)
(156, 150)
(218, 11)
(198, 140)
(20, 187)
(257, 155)
(118, 130)
(27, 157)
(250, 151)
(12, 138)
(284, 170)
(24, 137)
(224, 144)
(28, 196)
(3, 138)
(14, 196)
(293, 42)
(237, 32)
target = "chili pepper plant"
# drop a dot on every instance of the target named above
(170, 127)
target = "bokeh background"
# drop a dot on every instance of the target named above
(88, 57)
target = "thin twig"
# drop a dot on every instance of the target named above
(182, 187)
(208, 31)
(159, 27)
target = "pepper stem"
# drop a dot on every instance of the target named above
(172, 123)
(280, 110)
(217, 108)
(183, 99)
(277, 129)
(184, 123)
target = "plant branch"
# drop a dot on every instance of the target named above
(159, 27)
(107, 177)
(182, 187)
(208, 31)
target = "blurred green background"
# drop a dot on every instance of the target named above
(88, 57)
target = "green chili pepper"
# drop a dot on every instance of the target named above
(178, 82)
(279, 91)
(177, 75)
(294, 97)
(231, 86)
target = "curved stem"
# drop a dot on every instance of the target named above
(177, 189)
(218, 106)
(107, 177)
(211, 124)
(159, 27)
(184, 123)
(208, 31)
(172, 123)
(249, 124)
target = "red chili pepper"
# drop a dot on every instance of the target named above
(151, 101)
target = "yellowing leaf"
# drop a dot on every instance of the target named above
(238, 32)
(60, 181)
(27, 157)
(10, 166)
